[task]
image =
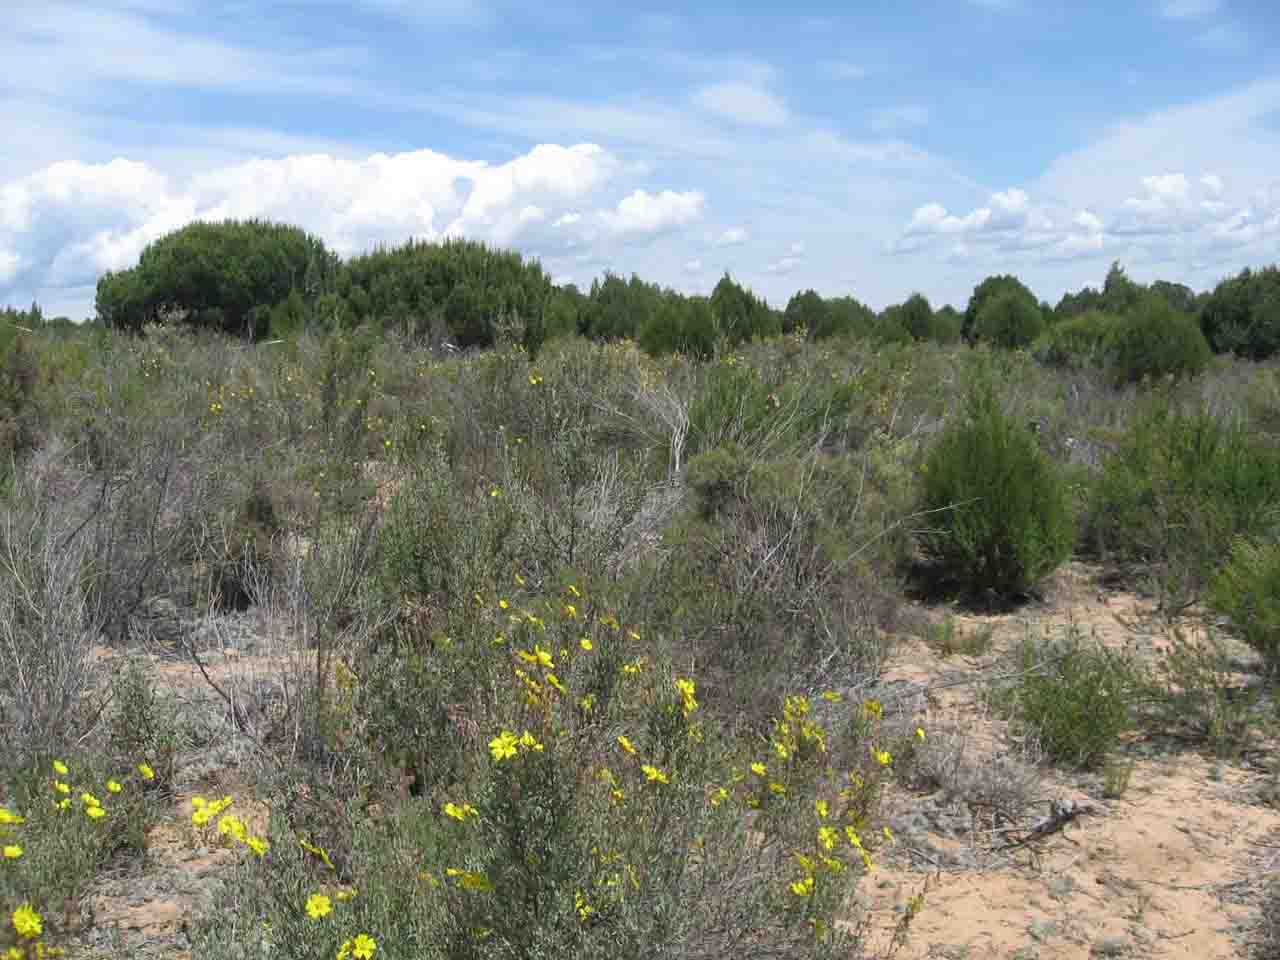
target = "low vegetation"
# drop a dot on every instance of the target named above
(587, 596)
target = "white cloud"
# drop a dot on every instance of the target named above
(732, 237)
(784, 265)
(1213, 183)
(568, 219)
(742, 103)
(1188, 9)
(693, 266)
(797, 249)
(1088, 221)
(64, 224)
(900, 117)
(933, 218)
(642, 213)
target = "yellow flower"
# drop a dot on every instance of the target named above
(555, 682)
(503, 605)
(884, 757)
(460, 812)
(653, 774)
(822, 808)
(146, 772)
(888, 834)
(633, 635)
(344, 895)
(687, 690)
(61, 787)
(470, 879)
(318, 906)
(574, 590)
(89, 800)
(12, 852)
(759, 769)
(585, 643)
(781, 750)
(64, 803)
(113, 786)
(832, 696)
(854, 839)
(363, 946)
(919, 733)
(27, 922)
(503, 746)
(587, 702)
(803, 888)
(60, 768)
(778, 789)
(570, 611)
(719, 797)
(7, 816)
(828, 837)
(633, 667)
(231, 825)
(874, 709)
(257, 845)
(626, 745)
(95, 813)
(582, 906)
(537, 656)
(530, 742)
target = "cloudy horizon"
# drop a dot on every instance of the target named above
(872, 154)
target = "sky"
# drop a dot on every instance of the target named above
(870, 148)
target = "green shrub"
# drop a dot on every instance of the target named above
(1175, 491)
(1154, 340)
(999, 514)
(1077, 698)
(1078, 342)
(1009, 320)
(1247, 589)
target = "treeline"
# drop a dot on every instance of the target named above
(260, 279)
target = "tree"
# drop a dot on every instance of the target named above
(1242, 314)
(1119, 293)
(741, 315)
(805, 311)
(1010, 319)
(987, 290)
(225, 275)
(917, 317)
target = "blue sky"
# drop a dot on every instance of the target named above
(873, 149)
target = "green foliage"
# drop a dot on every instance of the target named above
(1077, 698)
(680, 325)
(226, 276)
(1174, 492)
(806, 311)
(988, 290)
(1079, 342)
(740, 315)
(1242, 315)
(1154, 340)
(999, 516)
(1008, 319)
(916, 316)
(947, 325)
(459, 288)
(1247, 589)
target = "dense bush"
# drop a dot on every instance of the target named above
(226, 276)
(1173, 493)
(1242, 315)
(1154, 340)
(1247, 589)
(988, 290)
(1009, 319)
(998, 512)
(1079, 342)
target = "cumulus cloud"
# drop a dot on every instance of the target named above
(1170, 214)
(66, 223)
(732, 237)
(742, 103)
(644, 214)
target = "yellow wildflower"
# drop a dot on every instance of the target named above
(626, 745)
(832, 696)
(919, 733)
(460, 811)
(585, 643)
(884, 757)
(759, 769)
(654, 774)
(828, 837)
(778, 789)
(60, 768)
(530, 742)
(7, 816)
(27, 922)
(874, 709)
(503, 746)
(145, 771)
(803, 888)
(822, 808)
(95, 813)
(719, 797)
(318, 906)
(257, 845)
(555, 682)
(61, 787)
(12, 851)
(113, 786)
(363, 946)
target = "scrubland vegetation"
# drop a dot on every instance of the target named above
(587, 596)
